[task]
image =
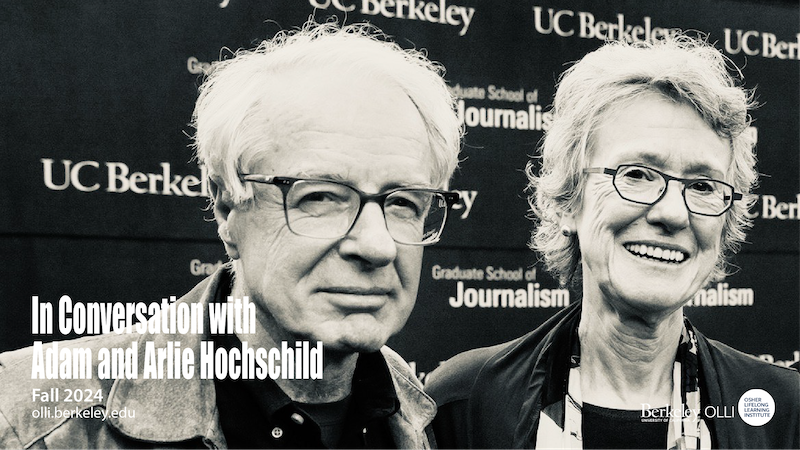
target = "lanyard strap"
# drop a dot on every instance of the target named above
(686, 431)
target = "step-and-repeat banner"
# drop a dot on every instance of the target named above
(101, 202)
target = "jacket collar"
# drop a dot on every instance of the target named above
(417, 409)
(555, 357)
(157, 403)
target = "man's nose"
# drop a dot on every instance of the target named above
(369, 239)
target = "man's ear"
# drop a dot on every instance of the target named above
(223, 209)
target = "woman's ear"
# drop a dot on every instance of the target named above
(568, 224)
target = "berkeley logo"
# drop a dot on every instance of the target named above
(563, 23)
(120, 179)
(768, 46)
(434, 12)
(771, 208)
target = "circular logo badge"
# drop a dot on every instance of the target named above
(756, 407)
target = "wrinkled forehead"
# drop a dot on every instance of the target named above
(303, 104)
(615, 106)
(370, 102)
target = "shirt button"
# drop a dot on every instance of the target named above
(277, 433)
(297, 418)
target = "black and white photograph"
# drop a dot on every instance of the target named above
(400, 224)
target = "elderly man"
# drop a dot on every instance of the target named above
(328, 150)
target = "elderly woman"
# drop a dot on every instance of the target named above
(644, 183)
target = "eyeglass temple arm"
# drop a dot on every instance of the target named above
(258, 178)
(603, 170)
(736, 196)
(266, 179)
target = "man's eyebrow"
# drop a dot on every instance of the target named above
(390, 186)
(332, 176)
(318, 175)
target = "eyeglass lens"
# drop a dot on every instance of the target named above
(328, 210)
(643, 185)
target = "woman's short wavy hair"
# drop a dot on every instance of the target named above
(681, 68)
(230, 116)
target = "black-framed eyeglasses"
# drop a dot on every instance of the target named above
(645, 185)
(328, 209)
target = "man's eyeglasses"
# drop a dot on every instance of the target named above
(328, 209)
(645, 185)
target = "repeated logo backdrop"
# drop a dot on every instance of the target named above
(102, 202)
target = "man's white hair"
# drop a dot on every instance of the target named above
(232, 117)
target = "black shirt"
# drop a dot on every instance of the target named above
(258, 414)
(615, 428)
